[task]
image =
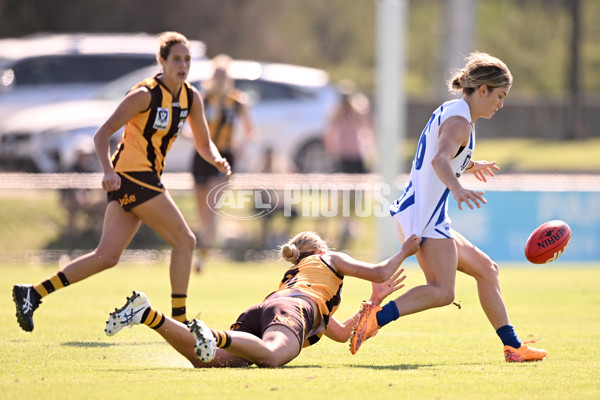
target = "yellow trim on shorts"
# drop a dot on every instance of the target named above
(303, 321)
(144, 184)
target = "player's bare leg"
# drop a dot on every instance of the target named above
(277, 347)
(118, 230)
(477, 264)
(472, 261)
(207, 219)
(181, 339)
(437, 259)
(162, 215)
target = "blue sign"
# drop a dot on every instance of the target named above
(502, 226)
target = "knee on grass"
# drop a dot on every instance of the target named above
(273, 357)
(271, 361)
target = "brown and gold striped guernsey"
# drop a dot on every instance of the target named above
(221, 114)
(149, 135)
(319, 281)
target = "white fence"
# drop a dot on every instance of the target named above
(184, 181)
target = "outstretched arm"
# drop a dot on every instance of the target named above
(481, 168)
(340, 332)
(380, 272)
(204, 145)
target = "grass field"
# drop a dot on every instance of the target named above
(444, 353)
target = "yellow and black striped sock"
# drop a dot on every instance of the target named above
(55, 282)
(178, 307)
(153, 318)
(223, 338)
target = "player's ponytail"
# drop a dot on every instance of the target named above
(455, 84)
(303, 245)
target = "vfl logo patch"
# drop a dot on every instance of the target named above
(162, 118)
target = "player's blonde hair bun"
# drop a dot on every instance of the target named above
(303, 245)
(290, 253)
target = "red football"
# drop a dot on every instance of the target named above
(547, 242)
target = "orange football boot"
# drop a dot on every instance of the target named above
(366, 327)
(524, 353)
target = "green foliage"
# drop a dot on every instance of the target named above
(442, 353)
(532, 40)
(532, 36)
(529, 155)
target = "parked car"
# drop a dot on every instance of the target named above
(289, 106)
(48, 68)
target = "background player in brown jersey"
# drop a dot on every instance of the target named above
(296, 315)
(153, 113)
(225, 108)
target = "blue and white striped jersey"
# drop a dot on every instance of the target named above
(423, 207)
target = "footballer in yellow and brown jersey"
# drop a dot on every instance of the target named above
(140, 157)
(149, 135)
(221, 114)
(322, 283)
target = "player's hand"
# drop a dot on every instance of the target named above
(481, 168)
(111, 181)
(382, 290)
(470, 197)
(411, 245)
(223, 166)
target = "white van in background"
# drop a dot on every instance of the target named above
(289, 105)
(48, 68)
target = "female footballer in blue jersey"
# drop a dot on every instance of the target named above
(153, 113)
(443, 154)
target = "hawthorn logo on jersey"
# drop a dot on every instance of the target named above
(241, 203)
(162, 118)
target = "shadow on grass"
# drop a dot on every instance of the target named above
(88, 344)
(401, 367)
(105, 344)
(398, 367)
(192, 369)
